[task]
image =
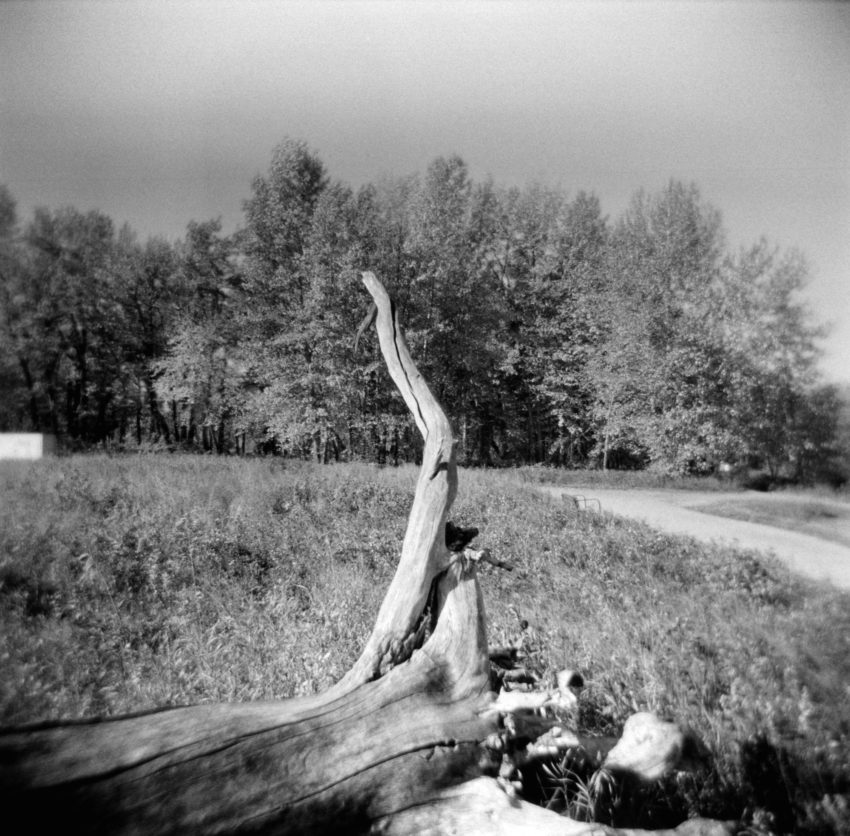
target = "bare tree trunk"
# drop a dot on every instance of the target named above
(411, 740)
(159, 426)
(607, 435)
(32, 401)
(139, 420)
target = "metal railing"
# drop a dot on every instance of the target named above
(583, 503)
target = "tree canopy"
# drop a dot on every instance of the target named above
(551, 333)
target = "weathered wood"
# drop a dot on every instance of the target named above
(424, 554)
(481, 808)
(411, 740)
(288, 767)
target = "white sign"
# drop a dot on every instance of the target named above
(26, 445)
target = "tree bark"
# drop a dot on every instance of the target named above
(411, 740)
(32, 401)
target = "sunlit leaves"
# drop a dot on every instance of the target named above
(549, 333)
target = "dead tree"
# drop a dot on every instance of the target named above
(411, 740)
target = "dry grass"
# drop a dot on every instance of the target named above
(132, 582)
(828, 519)
(589, 479)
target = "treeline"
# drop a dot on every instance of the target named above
(550, 333)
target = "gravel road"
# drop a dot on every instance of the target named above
(674, 512)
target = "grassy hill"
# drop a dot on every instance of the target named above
(128, 583)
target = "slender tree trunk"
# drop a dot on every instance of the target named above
(51, 392)
(463, 438)
(220, 436)
(32, 401)
(71, 402)
(139, 421)
(607, 434)
(158, 422)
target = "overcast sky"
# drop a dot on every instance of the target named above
(161, 113)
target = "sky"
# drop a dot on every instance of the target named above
(160, 113)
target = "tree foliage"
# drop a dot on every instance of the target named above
(551, 333)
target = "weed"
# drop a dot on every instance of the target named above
(135, 582)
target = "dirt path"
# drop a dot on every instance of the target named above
(674, 512)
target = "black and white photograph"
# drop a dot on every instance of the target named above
(425, 417)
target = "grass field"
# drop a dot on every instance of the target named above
(649, 479)
(134, 582)
(827, 519)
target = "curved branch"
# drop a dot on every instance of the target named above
(424, 554)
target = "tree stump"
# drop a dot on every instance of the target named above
(411, 740)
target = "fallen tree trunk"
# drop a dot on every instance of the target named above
(411, 740)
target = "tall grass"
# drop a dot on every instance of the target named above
(809, 513)
(128, 583)
(622, 479)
